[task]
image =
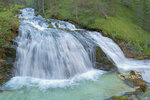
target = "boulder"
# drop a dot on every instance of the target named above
(134, 79)
(103, 62)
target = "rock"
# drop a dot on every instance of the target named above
(36, 13)
(1, 60)
(1, 77)
(6, 64)
(19, 12)
(103, 62)
(50, 26)
(120, 98)
(131, 51)
(125, 97)
(147, 94)
(132, 96)
(134, 79)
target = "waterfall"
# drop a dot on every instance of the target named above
(113, 51)
(48, 53)
(54, 53)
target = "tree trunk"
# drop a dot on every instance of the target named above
(100, 9)
(76, 11)
(43, 6)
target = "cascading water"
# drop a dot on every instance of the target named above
(48, 53)
(113, 51)
(53, 53)
(50, 56)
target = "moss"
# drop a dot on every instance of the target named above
(147, 93)
(50, 26)
(8, 31)
(102, 61)
(16, 9)
(8, 25)
(121, 98)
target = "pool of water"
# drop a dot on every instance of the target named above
(106, 86)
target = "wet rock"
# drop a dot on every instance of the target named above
(120, 98)
(50, 26)
(7, 59)
(103, 62)
(125, 97)
(132, 96)
(146, 95)
(36, 13)
(134, 79)
(1, 60)
(19, 12)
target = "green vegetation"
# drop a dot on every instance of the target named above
(121, 98)
(8, 30)
(8, 24)
(121, 21)
(126, 20)
(146, 94)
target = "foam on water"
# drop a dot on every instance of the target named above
(104, 87)
(19, 82)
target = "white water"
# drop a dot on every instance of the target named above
(85, 90)
(48, 53)
(52, 57)
(113, 51)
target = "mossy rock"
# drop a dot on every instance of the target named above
(103, 62)
(126, 96)
(51, 27)
(134, 79)
(147, 93)
(121, 98)
(7, 56)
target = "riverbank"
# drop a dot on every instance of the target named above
(8, 31)
(122, 26)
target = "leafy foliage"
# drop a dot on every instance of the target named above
(8, 23)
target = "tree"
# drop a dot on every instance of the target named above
(101, 10)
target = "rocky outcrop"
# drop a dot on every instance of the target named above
(103, 62)
(6, 64)
(134, 79)
(7, 57)
(130, 50)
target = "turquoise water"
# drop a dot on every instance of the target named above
(106, 86)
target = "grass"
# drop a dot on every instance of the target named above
(8, 23)
(123, 25)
